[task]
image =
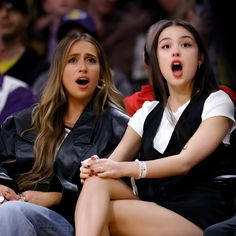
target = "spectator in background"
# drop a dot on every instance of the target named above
(76, 20)
(45, 26)
(119, 28)
(16, 58)
(15, 95)
(136, 100)
(223, 14)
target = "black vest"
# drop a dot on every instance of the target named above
(200, 176)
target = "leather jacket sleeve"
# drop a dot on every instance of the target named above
(6, 154)
(10, 135)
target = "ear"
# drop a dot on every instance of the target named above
(200, 59)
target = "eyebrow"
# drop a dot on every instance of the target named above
(182, 37)
(76, 54)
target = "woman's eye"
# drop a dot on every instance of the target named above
(186, 45)
(91, 60)
(72, 60)
(166, 46)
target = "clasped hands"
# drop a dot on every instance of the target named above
(104, 168)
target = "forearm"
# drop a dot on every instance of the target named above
(46, 199)
(128, 147)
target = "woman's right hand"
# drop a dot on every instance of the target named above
(85, 171)
(7, 194)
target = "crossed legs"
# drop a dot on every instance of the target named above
(108, 207)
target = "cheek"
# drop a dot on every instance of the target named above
(164, 68)
(192, 67)
(67, 78)
(95, 74)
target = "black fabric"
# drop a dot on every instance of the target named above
(89, 136)
(195, 196)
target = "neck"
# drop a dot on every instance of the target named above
(174, 102)
(11, 50)
(73, 113)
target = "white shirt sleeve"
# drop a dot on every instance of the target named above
(219, 104)
(136, 122)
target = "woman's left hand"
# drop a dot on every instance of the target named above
(105, 168)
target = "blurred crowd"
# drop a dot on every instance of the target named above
(30, 31)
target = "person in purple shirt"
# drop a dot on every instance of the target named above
(14, 96)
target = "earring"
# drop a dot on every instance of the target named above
(101, 84)
(199, 65)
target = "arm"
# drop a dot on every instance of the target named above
(128, 147)
(202, 143)
(46, 199)
(126, 150)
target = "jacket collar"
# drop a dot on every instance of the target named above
(83, 130)
(85, 126)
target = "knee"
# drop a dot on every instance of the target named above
(96, 184)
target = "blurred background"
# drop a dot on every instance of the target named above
(31, 29)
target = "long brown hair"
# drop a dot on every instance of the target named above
(48, 115)
(204, 80)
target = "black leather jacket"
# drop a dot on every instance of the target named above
(89, 136)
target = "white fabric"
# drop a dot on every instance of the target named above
(217, 104)
(8, 86)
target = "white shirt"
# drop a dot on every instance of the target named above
(217, 104)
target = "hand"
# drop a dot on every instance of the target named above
(85, 171)
(7, 194)
(104, 168)
(46, 199)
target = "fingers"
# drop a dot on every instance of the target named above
(87, 168)
(89, 161)
(4, 195)
(8, 194)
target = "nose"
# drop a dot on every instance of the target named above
(176, 52)
(82, 67)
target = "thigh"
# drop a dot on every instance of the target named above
(43, 220)
(138, 218)
(116, 188)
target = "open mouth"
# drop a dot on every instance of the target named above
(82, 81)
(176, 67)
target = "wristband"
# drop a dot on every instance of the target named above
(142, 169)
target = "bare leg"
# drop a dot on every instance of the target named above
(138, 218)
(97, 208)
(93, 205)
